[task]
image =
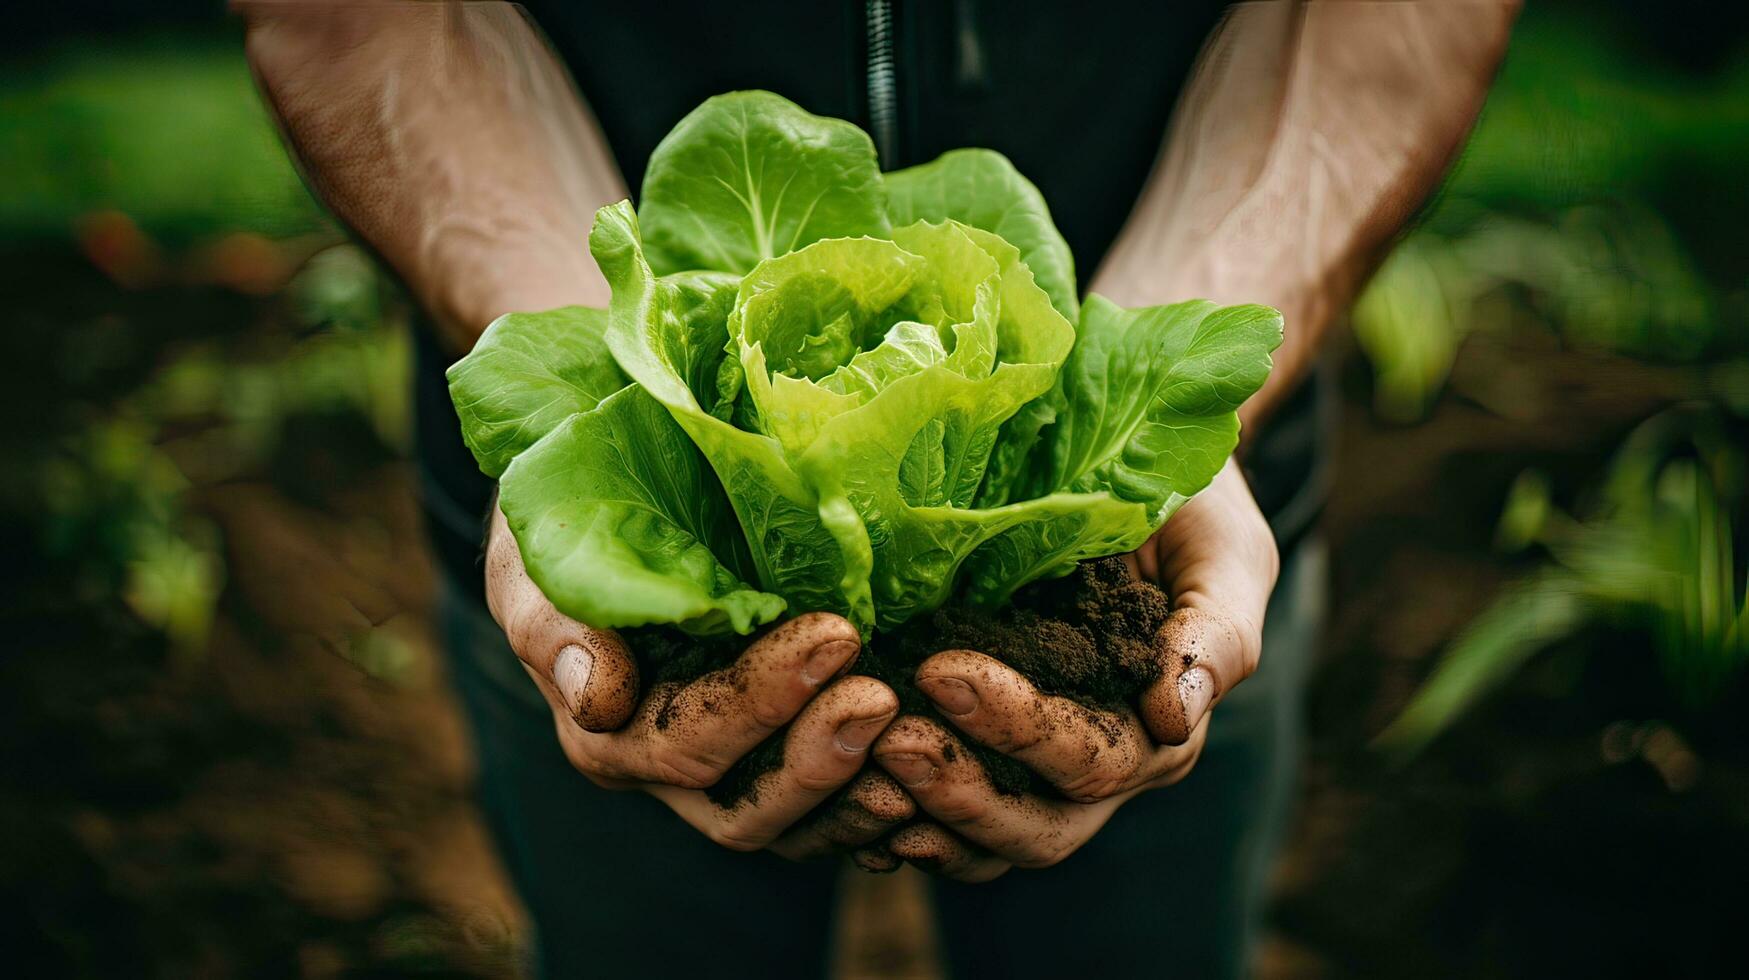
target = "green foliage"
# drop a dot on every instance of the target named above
(166, 130)
(529, 372)
(848, 392)
(1608, 278)
(114, 494)
(1564, 212)
(981, 188)
(1654, 553)
(1409, 323)
(617, 494)
(733, 184)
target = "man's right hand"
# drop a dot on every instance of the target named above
(679, 739)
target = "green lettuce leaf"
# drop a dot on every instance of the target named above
(622, 524)
(812, 551)
(907, 347)
(749, 176)
(527, 373)
(1151, 397)
(869, 457)
(1052, 534)
(907, 450)
(800, 317)
(879, 302)
(982, 189)
(1150, 402)
(1011, 457)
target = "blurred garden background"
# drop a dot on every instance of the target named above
(226, 748)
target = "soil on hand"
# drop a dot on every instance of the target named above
(1089, 636)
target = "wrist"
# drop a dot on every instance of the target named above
(1134, 277)
(491, 285)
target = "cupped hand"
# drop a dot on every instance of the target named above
(1217, 560)
(678, 739)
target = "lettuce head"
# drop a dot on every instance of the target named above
(819, 386)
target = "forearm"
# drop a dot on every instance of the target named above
(450, 139)
(1310, 133)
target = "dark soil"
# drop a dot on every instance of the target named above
(1089, 636)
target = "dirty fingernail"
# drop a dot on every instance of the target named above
(1195, 689)
(909, 768)
(951, 694)
(571, 673)
(859, 733)
(826, 660)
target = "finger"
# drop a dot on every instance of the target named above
(881, 797)
(1088, 754)
(949, 784)
(929, 847)
(1204, 655)
(822, 752)
(863, 812)
(876, 859)
(585, 674)
(689, 735)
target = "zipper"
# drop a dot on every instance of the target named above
(883, 93)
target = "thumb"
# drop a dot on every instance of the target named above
(585, 674)
(1203, 655)
(1217, 559)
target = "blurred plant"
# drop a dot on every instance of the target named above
(173, 582)
(1557, 214)
(167, 130)
(152, 158)
(1409, 323)
(117, 493)
(1653, 553)
(1605, 277)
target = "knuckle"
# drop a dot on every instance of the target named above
(1270, 553)
(587, 762)
(593, 768)
(733, 836)
(1246, 638)
(674, 767)
(769, 712)
(813, 779)
(1116, 769)
(1091, 787)
(1044, 853)
(1010, 739)
(1020, 730)
(959, 807)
